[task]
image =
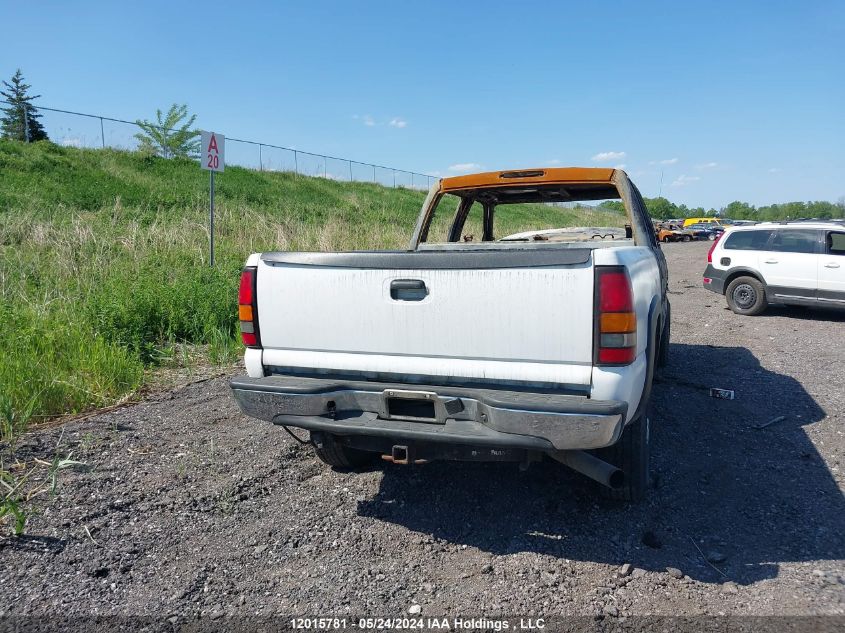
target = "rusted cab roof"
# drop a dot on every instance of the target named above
(540, 175)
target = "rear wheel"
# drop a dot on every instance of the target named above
(746, 296)
(666, 239)
(663, 342)
(329, 451)
(687, 238)
(631, 455)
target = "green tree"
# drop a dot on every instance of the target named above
(737, 210)
(171, 134)
(20, 118)
(661, 208)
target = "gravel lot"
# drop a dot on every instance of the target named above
(189, 508)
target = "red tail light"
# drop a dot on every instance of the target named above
(247, 308)
(616, 321)
(713, 246)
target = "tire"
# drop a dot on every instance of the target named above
(687, 238)
(712, 237)
(665, 336)
(746, 296)
(666, 239)
(631, 454)
(329, 451)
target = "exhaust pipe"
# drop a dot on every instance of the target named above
(591, 466)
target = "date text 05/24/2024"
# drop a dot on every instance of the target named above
(418, 623)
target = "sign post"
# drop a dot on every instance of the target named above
(212, 160)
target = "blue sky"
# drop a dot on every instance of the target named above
(730, 100)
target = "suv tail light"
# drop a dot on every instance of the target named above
(713, 246)
(248, 309)
(615, 319)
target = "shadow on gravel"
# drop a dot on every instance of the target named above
(748, 498)
(804, 313)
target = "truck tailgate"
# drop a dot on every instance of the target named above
(510, 315)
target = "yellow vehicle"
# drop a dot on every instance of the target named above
(717, 221)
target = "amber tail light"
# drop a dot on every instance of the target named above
(247, 308)
(615, 318)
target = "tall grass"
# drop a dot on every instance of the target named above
(104, 261)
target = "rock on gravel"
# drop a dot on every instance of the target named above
(675, 572)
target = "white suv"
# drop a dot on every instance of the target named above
(800, 263)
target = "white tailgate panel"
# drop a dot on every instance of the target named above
(520, 323)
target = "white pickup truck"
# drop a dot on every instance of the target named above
(477, 342)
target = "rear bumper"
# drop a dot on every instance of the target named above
(461, 415)
(714, 279)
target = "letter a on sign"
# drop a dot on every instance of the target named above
(213, 150)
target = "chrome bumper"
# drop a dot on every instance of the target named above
(452, 415)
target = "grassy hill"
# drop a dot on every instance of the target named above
(104, 269)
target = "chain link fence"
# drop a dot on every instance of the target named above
(78, 129)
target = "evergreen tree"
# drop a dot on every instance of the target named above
(20, 118)
(170, 135)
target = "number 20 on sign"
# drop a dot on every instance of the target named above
(213, 151)
(213, 148)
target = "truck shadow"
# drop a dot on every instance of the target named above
(747, 498)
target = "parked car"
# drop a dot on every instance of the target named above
(788, 263)
(501, 348)
(706, 231)
(666, 234)
(700, 233)
(707, 221)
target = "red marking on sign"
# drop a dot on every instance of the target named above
(212, 144)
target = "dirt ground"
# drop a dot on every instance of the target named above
(187, 507)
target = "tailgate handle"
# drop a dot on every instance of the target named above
(408, 290)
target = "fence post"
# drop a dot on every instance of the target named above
(25, 124)
(260, 159)
(374, 173)
(325, 167)
(351, 179)
(295, 163)
(102, 133)
(394, 179)
(412, 180)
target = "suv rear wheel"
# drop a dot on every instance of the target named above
(746, 295)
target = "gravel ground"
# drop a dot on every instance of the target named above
(187, 507)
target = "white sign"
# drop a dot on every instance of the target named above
(213, 150)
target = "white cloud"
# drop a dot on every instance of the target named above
(710, 165)
(619, 166)
(462, 167)
(554, 161)
(665, 161)
(775, 170)
(604, 157)
(397, 122)
(366, 119)
(72, 141)
(683, 179)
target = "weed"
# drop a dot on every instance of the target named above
(59, 464)
(14, 499)
(13, 422)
